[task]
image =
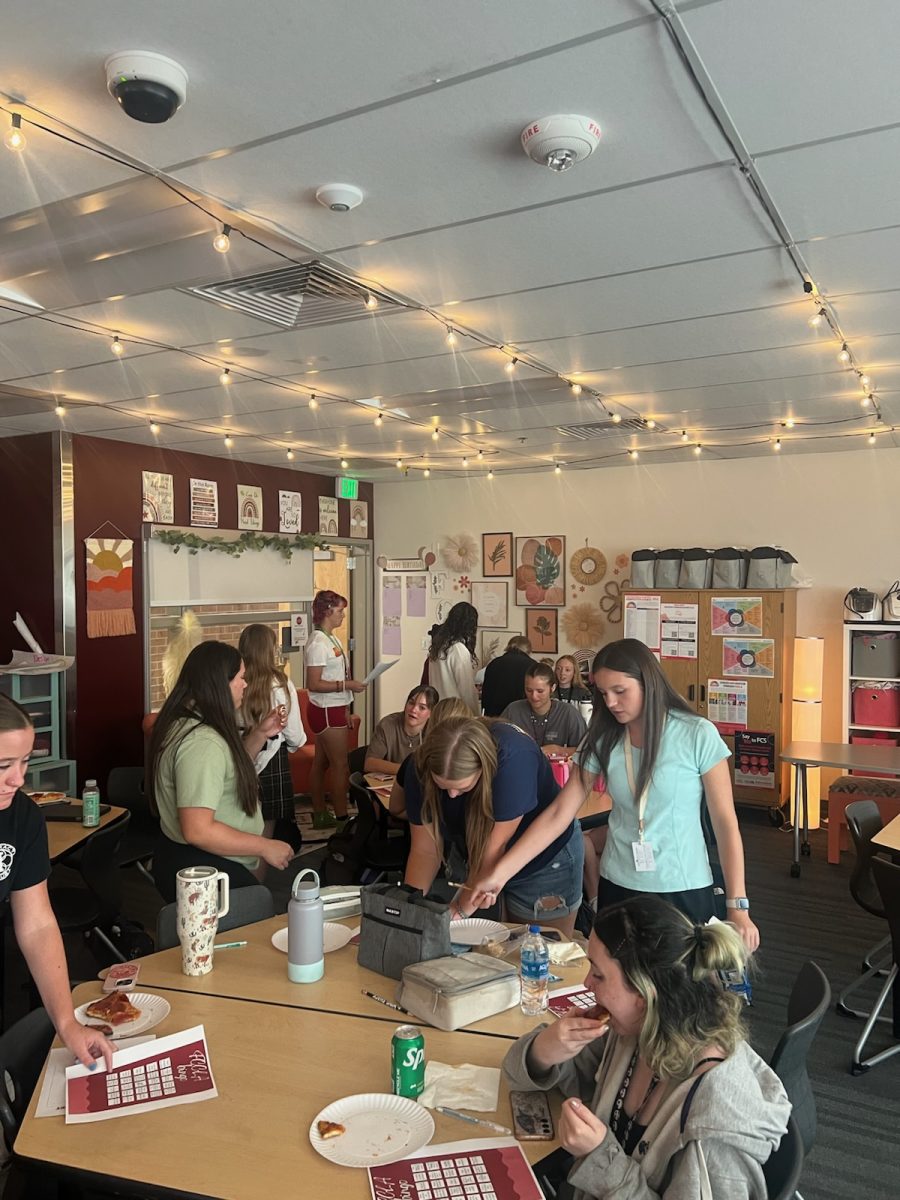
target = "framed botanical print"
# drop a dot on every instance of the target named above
(542, 630)
(491, 598)
(493, 643)
(541, 570)
(497, 554)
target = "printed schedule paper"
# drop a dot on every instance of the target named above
(172, 1070)
(488, 1169)
(560, 1001)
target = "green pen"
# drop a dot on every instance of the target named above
(228, 945)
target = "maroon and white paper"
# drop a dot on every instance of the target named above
(490, 1169)
(560, 1001)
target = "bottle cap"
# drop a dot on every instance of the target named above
(534, 929)
(90, 783)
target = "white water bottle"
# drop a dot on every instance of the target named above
(306, 930)
(534, 972)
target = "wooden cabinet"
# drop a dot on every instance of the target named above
(768, 698)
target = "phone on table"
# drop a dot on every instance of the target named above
(532, 1121)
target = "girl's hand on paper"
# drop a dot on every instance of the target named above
(86, 1044)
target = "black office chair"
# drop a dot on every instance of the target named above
(125, 788)
(385, 847)
(245, 907)
(23, 1049)
(785, 1164)
(807, 1005)
(92, 909)
(887, 880)
(864, 822)
(356, 759)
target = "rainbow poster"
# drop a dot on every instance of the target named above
(110, 602)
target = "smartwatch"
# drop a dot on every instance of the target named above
(740, 902)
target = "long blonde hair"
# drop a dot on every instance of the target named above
(262, 673)
(456, 748)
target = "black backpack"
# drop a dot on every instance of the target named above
(345, 858)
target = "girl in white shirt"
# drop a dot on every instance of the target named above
(451, 659)
(330, 694)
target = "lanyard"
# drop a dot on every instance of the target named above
(337, 645)
(629, 771)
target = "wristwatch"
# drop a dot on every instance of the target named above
(740, 902)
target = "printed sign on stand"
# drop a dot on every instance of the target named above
(754, 759)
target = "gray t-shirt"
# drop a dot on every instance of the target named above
(563, 725)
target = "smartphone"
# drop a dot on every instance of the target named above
(532, 1121)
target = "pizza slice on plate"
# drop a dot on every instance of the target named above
(114, 1009)
(329, 1129)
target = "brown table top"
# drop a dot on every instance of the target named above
(889, 837)
(275, 1068)
(63, 836)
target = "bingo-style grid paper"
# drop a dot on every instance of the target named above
(170, 1070)
(560, 1001)
(494, 1169)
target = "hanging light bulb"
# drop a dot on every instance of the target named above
(789, 422)
(865, 381)
(229, 442)
(117, 347)
(777, 445)
(465, 462)
(480, 455)
(225, 377)
(60, 410)
(616, 418)
(510, 366)
(435, 434)
(698, 449)
(313, 402)
(451, 338)
(154, 428)
(371, 302)
(575, 388)
(344, 464)
(222, 242)
(557, 470)
(632, 453)
(490, 474)
(866, 400)
(290, 456)
(684, 436)
(379, 421)
(844, 354)
(817, 318)
(650, 423)
(871, 439)
(426, 472)
(15, 138)
(399, 464)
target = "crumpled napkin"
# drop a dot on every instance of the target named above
(562, 953)
(465, 1086)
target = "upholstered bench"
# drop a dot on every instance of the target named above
(885, 793)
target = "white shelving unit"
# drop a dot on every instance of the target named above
(852, 632)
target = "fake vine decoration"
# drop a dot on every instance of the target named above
(285, 546)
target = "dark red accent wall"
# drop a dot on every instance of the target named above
(26, 540)
(106, 731)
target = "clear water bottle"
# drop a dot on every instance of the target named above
(90, 804)
(534, 972)
(306, 930)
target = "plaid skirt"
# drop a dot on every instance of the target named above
(276, 788)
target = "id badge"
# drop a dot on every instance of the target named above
(643, 856)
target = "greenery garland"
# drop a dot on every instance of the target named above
(285, 546)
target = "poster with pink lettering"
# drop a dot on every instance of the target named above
(169, 1070)
(481, 1169)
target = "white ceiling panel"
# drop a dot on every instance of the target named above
(171, 317)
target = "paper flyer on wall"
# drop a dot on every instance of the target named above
(205, 503)
(481, 1167)
(678, 630)
(732, 615)
(754, 759)
(754, 658)
(642, 619)
(727, 704)
(299, 629)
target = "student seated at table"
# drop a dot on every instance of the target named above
(556, 727)
(666, 1100)
(203, 781)
(441, 711)
(568, 682)
(24, 868)
(398, 734)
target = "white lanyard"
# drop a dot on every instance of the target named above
(337, 645)
(629, 771)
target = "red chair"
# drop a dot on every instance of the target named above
(301, 760)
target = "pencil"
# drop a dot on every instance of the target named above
(386, 1003)
(228, 945)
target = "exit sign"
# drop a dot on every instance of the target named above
(346, 488)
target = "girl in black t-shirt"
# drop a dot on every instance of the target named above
(24, 867)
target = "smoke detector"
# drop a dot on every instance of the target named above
(339, 197)
(560, 142)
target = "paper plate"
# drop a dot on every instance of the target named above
(335, 937)
(473, 930)
(379, 1129)
(153, 1010)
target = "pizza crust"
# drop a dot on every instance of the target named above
(329, 1129)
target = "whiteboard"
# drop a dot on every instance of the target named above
(211, 577)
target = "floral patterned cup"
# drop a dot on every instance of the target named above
(198, 908)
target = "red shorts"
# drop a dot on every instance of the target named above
(336, 717)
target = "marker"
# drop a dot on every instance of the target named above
(386, 1003)
(228, 945)
(452, 1112)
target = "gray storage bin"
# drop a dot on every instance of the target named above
(668, 568)
(784, 569)
(643, 568)
(762, 571)
(875, 655)
(730, 565)
(696, 568)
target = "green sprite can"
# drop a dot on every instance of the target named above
(408, 1062)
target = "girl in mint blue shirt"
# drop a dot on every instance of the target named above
(660, 761)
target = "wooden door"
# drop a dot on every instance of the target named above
(680, 672)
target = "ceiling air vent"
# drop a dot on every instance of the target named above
(597, 429)
(298, 296)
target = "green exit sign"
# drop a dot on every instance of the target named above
(346, 488)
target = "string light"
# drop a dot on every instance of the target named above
(844, 356)
(575, 388)
(557, 470)
(684, 436)
(15, 138)
(871, 439)
(154, 428)
(451, 338)
(229, 442)
(371, 302)
(222, 242)
(817, 318)
(867, 400)
(427, 472)
(465, 462)
(480, 455)
(344, 464)
(632, 454)
(313, 402)
(225, 377)
(60, 410)
(777, 445)
(379, 421)
(698, 449)
(788, 422)
(865, 382)
(117, 347)
(435, 434)
(651, 424)
(290, 456)
(490, 474)
(510, 366)
(616, 418)
(399, 464)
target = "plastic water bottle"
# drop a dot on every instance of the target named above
(534, 972)
(90, 804)
(306, 930)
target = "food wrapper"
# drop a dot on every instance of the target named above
(476, 1089)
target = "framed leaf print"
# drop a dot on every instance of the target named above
(541, 571)
(497, 554)
(542, 630)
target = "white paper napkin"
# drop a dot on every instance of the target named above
(466, 1086)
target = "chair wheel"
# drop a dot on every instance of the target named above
(806, 849)
(795, 870)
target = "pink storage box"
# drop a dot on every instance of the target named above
(876, 704)
(874, 739)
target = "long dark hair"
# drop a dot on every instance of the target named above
(461, 626)
(201, 693)
(631, 657)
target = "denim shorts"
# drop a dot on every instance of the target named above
(562, 876)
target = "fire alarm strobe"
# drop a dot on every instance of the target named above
(562, 141)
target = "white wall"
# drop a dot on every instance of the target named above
(836, 513)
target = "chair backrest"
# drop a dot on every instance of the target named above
(245, 907)
(23, 1048)
(303, 700)
(809, 1001)
(125, 788)
(371, 811)
(887, 880)
(99, 869)
(356, 760)
(785, 1165)
(864, 821)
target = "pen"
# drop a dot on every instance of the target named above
(460, 1116)
(387, 1003)
(228, 945)
(462, 887)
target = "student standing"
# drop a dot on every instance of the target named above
(451, 657)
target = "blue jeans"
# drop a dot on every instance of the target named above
(562, 876)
